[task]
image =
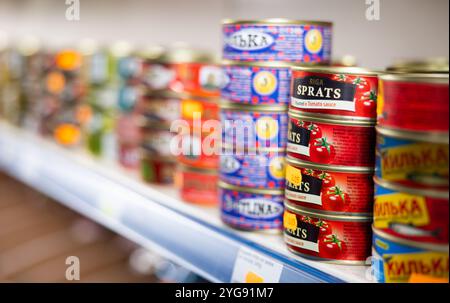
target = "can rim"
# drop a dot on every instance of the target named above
(189, 168)
(324, 167)
(327, 261)
(334, 117)
(268, 64)
(427, 246)
(275, 21)
(432, 193)
(326, 215)
(225, 104)
(440, 78)
(271, 231)
(274, 192)
(337, 121)
(433, 137)
(260, 149)
(347, 70)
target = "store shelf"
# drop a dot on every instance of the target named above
(154, 216)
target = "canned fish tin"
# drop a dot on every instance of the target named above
(320, 140)
(413, 160)
(157, 170)
(256, 82)
(331, 238)
(198, 186)
(414, 102)
(335, 91)
(200, 79)
(253, 127)
(256, 170)
(336, 190)
(411, 214)
(156, 140)
(251, 209)
(164, 108)
(192, 153)
(277, 40)
(192, 106)
(395, 260)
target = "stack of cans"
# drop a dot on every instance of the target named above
(330, 163)
(411, 211)
(257, 56)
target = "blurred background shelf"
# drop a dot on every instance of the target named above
(154, 216)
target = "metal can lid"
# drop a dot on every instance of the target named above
(432, 137)
(429, 65)
(276, 21)
(275, 192)
(224, 104)
(188, 168)
(268, 64)
(246, 150)
(426, 246)
(326, 215)
(338, 120)
(336, 70)
(438, 78)
(433, 193)
(331, 168)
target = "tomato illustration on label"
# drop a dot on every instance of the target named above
(315, 131)
(327, 179)
(331, 247)
(321, 151)
(335, 198)
(324, 228)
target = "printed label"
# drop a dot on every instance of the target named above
(265, 83)
(399, 267)
(250, 40)
(314, 41)
(256, 208)
(400, 208)
(229, 165)
(289, 221)
(323, 93)
(308, 190)
(304, 236)
(298, 139)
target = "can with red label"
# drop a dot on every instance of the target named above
(335, 92)
(335, 190)
(253, 170)
(251, 209)
(253, 127)
(198, 186)
(410, 213)
(195, 153)
(257, 83)
(412, 159)
(336, 142)
(200, 108)
(307, 42)
(325, 237)
(157, 170)
(414, 102)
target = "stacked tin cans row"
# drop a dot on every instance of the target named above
(411, 211)
(330, 163)
(257, 56)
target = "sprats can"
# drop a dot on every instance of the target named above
(251, 209)
(257, 83)
(263, 170)
(277, 40)
(414, 102)
(336, 190)
(198, 186)
(335, 91)
(330, 238)
(338, 142)
(412, 159)
(410, 213)
(399, 261)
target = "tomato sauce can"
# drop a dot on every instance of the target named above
(412, 159)
(400, 261)
(253, 170)
(414, 102)
(251, 209)
(253, 127)
(325, 237)
(349, 92)
(315, 139)
(198, 186)
(157, 170)
(256, 82)
(335, 190)
(277, 40)
(410, 213)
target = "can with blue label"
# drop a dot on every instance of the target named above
(257, 83)
(413, 160)
(253, 170)
(251, 209)
(307, 42)
(253, 127)
(400, 261)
